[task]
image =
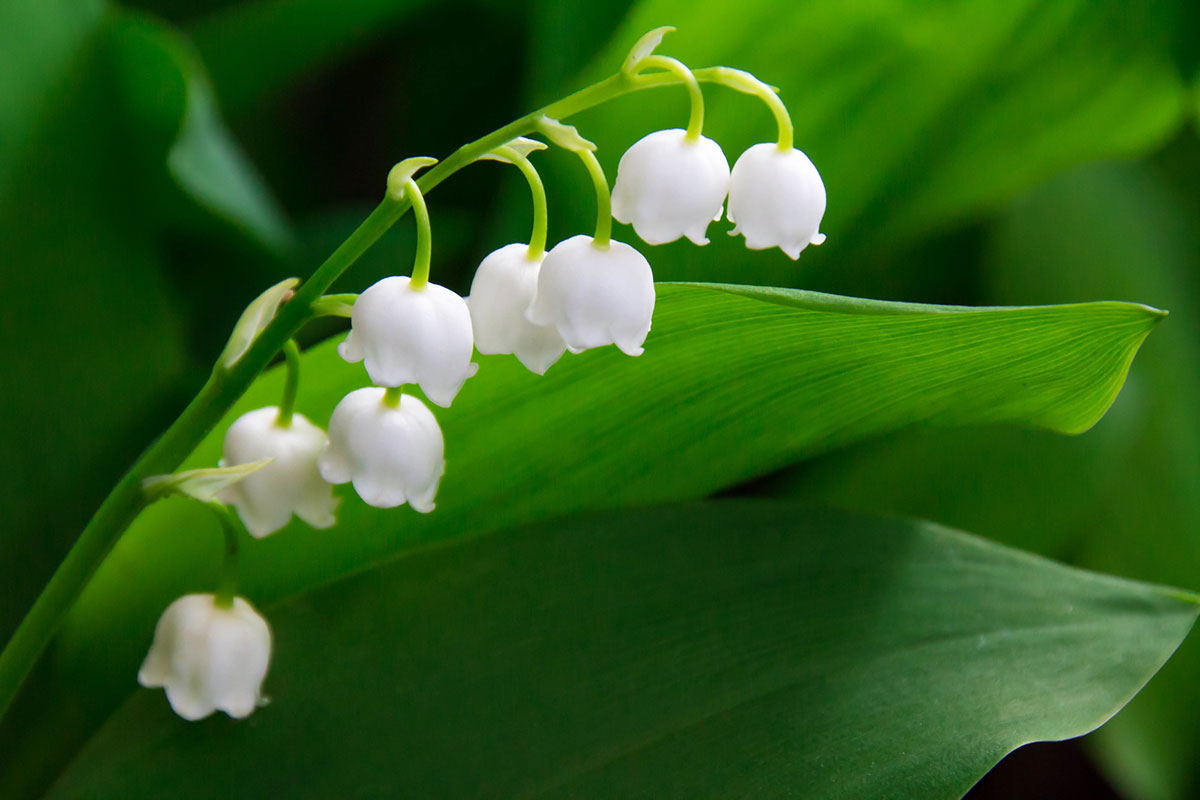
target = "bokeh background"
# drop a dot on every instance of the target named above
(161, 162)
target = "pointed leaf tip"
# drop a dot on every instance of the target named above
(563, 135)
(201, 484)
(644, 47)
(521, 146)
(405, 170)
(255, 318)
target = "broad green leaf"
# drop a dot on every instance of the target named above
(917, 114)
(1104, 232)
(41, 45)
(1122, 497)
(1027, 488)
(734, 649)
(258, 48)
(167, 89)
(735, 382)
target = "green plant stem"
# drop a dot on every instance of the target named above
(420, 272)
(537, 191)
(696, 120)
(603, 198)
(228, 582)
(291, 354)
(226, 384)
(392, 395)
(743, 81)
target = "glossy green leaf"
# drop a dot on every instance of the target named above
(735, 382)
(1103, 232)
(917, 114)
(1027, 488)
(1120, 499)
(736, 649)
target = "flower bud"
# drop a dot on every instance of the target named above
(595, 295)
(209, 658)
(501, 291)
(668, 186)
(408, 335)
(776, 199)
(266, 499)
(392, 454)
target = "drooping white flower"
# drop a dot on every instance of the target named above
(265, 500)
(406, 335)
(209, 658)
(503, 288)
(668, 186)
(392, 454)
(595, 295)
(776, 199)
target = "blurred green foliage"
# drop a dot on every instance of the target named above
(136, 225)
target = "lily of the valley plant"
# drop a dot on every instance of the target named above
(211, 651)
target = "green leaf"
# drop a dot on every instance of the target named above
(1103, 232)
(44, 41)
(1027, 488)
(735, 649)
(735, 382)
(167, 89)
(918, 115)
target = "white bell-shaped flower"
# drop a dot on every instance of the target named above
(503, 288)
(595, 295)
(393, 454)
(209, 658)
(291, 484)
(406, 335)
(669, 186)
(776, 199)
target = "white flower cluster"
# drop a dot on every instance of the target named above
(586, 292)
(669, 186)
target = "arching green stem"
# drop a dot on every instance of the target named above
(420, 273)
(537, 191)
(678, 68)
(392, 395)
(603, 198)
(227, 584)
(745, 82)
(291, 355)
